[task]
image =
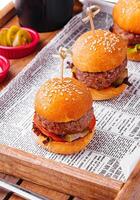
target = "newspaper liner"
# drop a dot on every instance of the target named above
(118, 120)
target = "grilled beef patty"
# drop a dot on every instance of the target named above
(100, 80)
(130, 37)
(67, 127)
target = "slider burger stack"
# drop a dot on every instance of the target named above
(64, 121)
(126, 15)
(99, 61)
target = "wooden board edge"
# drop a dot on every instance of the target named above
(7, 14)
(57, 176)
(131, 189)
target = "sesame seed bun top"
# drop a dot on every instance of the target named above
(99, 51)
(65, 101)
(126, 14)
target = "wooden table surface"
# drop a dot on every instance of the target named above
(130, 190)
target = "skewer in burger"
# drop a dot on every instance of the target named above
(99, 61)
(64, 121)
(126, 15)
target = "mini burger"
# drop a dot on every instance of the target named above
(64, 121)
(99, 61)
(126, 15)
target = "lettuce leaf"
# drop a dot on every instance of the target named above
(134, 49)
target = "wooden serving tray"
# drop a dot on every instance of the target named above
(66, 179)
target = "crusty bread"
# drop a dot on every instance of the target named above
(66, 147)
(107, 93)
(98, 52)
(65, 101)
(126, 14)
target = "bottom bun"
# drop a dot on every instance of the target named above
(66, 147)
(107, 93)
(134, 56)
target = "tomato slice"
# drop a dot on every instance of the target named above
(47, 133)
(54, 136)
(92, 123)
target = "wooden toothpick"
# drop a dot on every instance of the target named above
(91, 12)
(63, 52)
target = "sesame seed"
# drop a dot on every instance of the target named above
(49, 101)
(80, 92)
(109, 41)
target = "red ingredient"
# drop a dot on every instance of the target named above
(47, 133)
(92, 123)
